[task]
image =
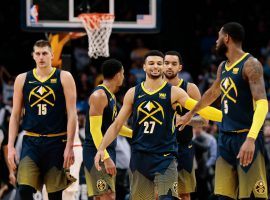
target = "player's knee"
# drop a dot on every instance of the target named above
(167, 197)
(185, 196)
(55, 195)
(107, 196)
(26, 192)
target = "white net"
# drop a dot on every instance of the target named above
(98, 28)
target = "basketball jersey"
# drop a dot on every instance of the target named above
(44, 104)
(109, 114)
(184, 136)
(153, 121)
(236, 99)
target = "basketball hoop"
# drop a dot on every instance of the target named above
(98, 27)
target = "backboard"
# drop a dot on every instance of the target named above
(133, 16)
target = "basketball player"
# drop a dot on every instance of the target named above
(48, 96)
(102, 112)
(240, 164)
(186, 172)
(153, 158)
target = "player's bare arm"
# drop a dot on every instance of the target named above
(15, 118)
(194, 92)
(115, 127)
(180, 96)
(98, 101)
(207, 99)
(253, 73)
(69, 88)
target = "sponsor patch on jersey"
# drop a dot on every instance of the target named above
(235, 70)
(162, 95)
(53, 80)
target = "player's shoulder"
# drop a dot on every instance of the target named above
(21, 78)
(131, 91)
(253, 67)
(65, 74)
(192, 86)
(98, 94)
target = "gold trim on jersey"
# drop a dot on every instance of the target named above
(226, 86)
(32, 134)
(240, 131)
(173, 122)
(228, 68)
(150, 114)
(102, 85)
(180, 83)
(157, 90)
(42, 81)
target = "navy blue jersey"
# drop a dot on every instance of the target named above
(153, 121)
(237, 103)
(184, 136)
(44, 103)
(109, 114)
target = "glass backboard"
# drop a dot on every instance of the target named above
(138, 16)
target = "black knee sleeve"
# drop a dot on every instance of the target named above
(26, 192)
(55, 195)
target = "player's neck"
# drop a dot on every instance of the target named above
(234, 54)
(174, 81)
(111, 86)
(153, 84)
(43, 72)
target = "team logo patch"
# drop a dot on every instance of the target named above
(101, 185)
(260, 187)
(175, 187)
(150, 110)
(162, 95)
(42, 94)
(228, 89)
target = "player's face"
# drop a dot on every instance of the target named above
(42, 56)
(153, 67)
(221, 47)
(121, 77)
(171, 66)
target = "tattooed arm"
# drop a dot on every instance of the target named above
(208, 98)
(253, 73)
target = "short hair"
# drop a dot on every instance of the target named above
(235, 30)
(175, 53)
(110, 68)
(153, 53)
(42, 43)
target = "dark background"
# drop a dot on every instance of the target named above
(185, 27)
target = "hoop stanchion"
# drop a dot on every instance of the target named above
(98, 27)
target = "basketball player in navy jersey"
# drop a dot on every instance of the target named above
(47, 98)
(102, 113)
(186, 172)
(153, 159)
(240, 167)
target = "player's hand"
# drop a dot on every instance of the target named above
(99, 157)
(68, 156)
(12, 179)
(12, 157)
(246, 152)
(110, 166)
(184, 120)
